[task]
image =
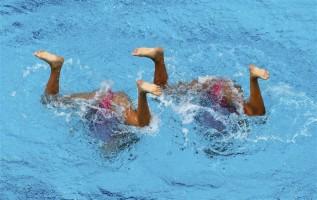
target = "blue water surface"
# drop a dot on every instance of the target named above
(48, 153)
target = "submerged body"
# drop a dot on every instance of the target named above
(221, 92)
(107, 110)
(213, 92)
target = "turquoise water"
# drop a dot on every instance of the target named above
(48, 153)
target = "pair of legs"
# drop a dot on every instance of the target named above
(137, 117)
(253, 106)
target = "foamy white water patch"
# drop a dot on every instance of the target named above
(305, 130)
(105, 86)
(164, 101)
(187, 111)
(34, 68)
(152, 128)
(185, 132)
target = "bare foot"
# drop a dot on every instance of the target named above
(54, 61)
(153, 53)
(149, 87)
(259, 72)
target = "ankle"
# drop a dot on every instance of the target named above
(159, 60)
(55, 70)
(253, 77)
(142, 92)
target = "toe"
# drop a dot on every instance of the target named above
(38, 53)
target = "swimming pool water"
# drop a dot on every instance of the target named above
(47, 153)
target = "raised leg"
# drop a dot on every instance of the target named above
(141, 116)
(56, 63)
(157, 55)
(255, 105)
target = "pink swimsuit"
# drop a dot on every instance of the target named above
(106, 102)
(216, 94)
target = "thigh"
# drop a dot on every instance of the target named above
(82, 95)
(56, 100)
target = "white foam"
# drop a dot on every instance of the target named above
(152, 129)
(69, 61)
(185, 132)
(165, 101)
(105, 86)
(154, 125)
(34, 68)
(238, 74)
(203, 79)
(187, 111)
(304, 130)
